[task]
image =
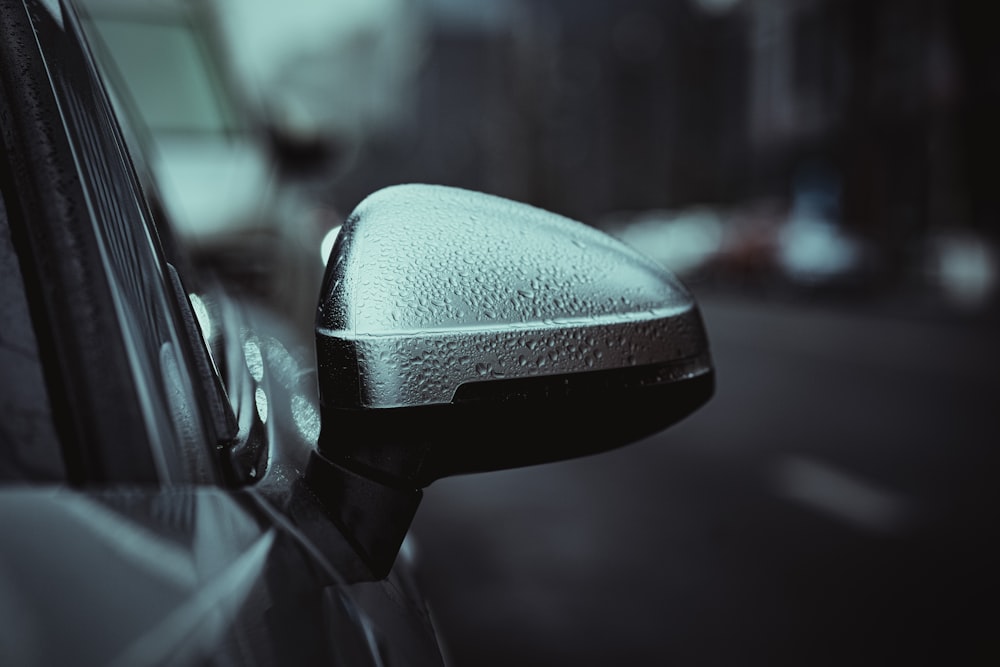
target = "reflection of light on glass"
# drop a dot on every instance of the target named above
(306, 418)
(255, 362)
(201, 313)
(280, 363)
(326, 245)
(260, 398)
(408, 550)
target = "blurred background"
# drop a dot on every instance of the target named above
(819, 172)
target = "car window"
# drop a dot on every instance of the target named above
(29, 444)
(144, 297)
(161, 66)
(133, 401)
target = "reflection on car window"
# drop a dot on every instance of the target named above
(180, 95)
(29, 445)
(145, 302)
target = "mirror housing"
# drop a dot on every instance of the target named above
(461, 332)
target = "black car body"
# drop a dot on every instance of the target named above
(128, 540)
(162, 496)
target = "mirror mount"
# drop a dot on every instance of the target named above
(372, 515)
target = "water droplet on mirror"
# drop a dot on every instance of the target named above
(254, 359)
(260, 398)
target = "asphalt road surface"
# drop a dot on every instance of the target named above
(834, 504)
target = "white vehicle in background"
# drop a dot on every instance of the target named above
(343, 70)
(243, 200)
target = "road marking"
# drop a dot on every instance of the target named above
(841, 495)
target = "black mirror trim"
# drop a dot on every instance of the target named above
(523, 428)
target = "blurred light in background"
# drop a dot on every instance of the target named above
(964, 267)
(682, 241)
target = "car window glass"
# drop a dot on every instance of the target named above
(182, 95)
(29, 444)
(168, 386)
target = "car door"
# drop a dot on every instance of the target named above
(124, 536)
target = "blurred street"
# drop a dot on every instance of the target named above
(835, 503)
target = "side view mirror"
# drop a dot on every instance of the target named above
(461, 332)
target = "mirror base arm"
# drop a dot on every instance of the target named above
(374, 516)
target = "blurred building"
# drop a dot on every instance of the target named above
(580, 107)
(596, 108)
(894, 96)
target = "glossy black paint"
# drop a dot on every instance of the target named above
(189, 575)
